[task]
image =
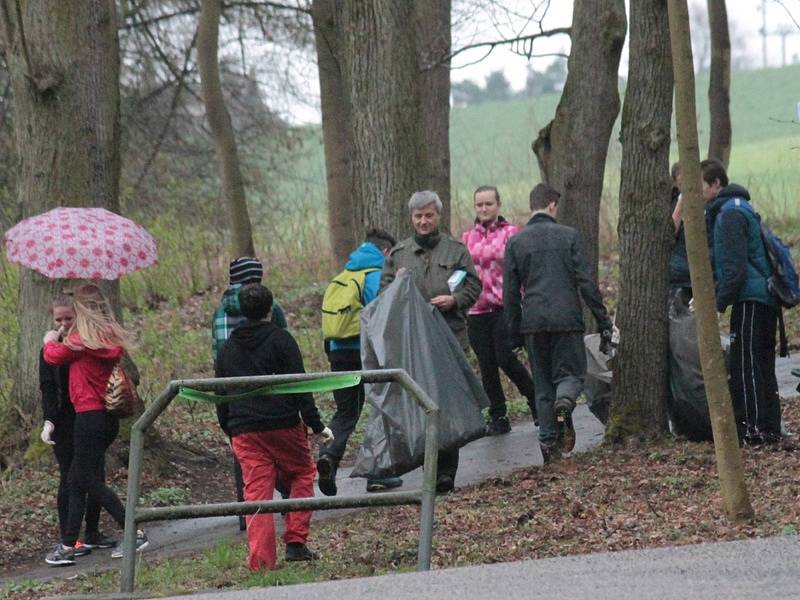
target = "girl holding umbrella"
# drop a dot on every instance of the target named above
(92, 347)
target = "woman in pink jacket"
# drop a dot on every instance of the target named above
(487, 330)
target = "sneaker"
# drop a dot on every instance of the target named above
(97, 539)
(550, 454)
(60, 556)
(295, 552)
(381, 485)
(327, 476)
(141, 543)
(82, 549)
(445, 484)
(566, 430)
(498, 426)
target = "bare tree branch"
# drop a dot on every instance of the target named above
(526, 41)
(135, 24)
(788, 12)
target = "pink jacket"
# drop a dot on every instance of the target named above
(487, 246)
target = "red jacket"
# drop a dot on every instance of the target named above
(89, 371)
(487, 246)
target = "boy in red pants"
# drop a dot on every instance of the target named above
(268, 434)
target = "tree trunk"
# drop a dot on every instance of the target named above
(719, 83)
(572, 149)
(380, 72)
(641, 384)
(726, 444)
(336, 131)
(63, 60)
(221, 129)
(432, 24)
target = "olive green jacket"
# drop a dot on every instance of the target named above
(431, 269)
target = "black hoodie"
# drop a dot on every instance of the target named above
(261, 348)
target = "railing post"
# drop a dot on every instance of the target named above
(134, 483)
(428, 491)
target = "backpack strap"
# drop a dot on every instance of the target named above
(784, 343)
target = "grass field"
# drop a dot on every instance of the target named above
(491, 143)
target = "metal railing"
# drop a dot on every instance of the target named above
(135, 514)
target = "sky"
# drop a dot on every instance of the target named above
(744, 16)
(477, 21)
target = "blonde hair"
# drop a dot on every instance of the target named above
(95, 322)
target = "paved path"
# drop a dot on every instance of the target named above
(757, 569)
(480, 460)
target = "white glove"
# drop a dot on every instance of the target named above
(47, 431)
(51, 336)
(325, 436)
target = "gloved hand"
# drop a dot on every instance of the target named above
(605, 342)
(325, 436)
(51, 336)
(47, 432)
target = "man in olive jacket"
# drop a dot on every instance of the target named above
(443, 272)
(545, 273)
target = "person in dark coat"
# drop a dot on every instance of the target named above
(544, 278)
(269, 433)
(741, 269)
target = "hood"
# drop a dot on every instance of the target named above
(732, 190)
(112, 353)
(251, 334)
(230, 301)
(366, 256)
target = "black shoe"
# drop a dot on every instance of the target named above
(445, 484)
(498, 426)
(566, 430)
(60, 556)
(381, 485)
(327, 476)
(295, 552)
(98, 540)
(550, 454)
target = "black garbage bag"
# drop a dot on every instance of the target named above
(401, 330)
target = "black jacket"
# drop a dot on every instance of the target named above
(545, 261)
(261, 348)
(56, 407)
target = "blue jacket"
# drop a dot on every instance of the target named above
(741, 266)
(366, 256)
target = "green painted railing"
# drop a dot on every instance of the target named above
(135, 514)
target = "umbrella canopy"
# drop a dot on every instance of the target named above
(80, 243)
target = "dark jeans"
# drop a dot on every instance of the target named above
(558, 364)
(447, 463)
(753, 384)
(94, 432)
(489, 338)
(64, 450)
(349, 402)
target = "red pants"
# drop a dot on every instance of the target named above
(264, 455)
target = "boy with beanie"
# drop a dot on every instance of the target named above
(228, 316)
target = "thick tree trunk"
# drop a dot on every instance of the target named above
(719, 83)
(432, 24)
(336, 131)
(645, 230)
(63, 60)
(221, 129)
(572, 149)
(380, 72)
(726, 444)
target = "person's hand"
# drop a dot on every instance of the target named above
(444, 303)
(47, 432)
(325, 436)
(605, 342)
(51, 336)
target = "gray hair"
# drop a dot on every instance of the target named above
(425, 198)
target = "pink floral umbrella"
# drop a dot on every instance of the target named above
(80, 243)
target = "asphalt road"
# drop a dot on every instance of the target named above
(757, 569)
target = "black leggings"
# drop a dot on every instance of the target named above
(64, 450)
(94, 432)
(488, 336)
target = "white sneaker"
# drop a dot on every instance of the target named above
(141, 543)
